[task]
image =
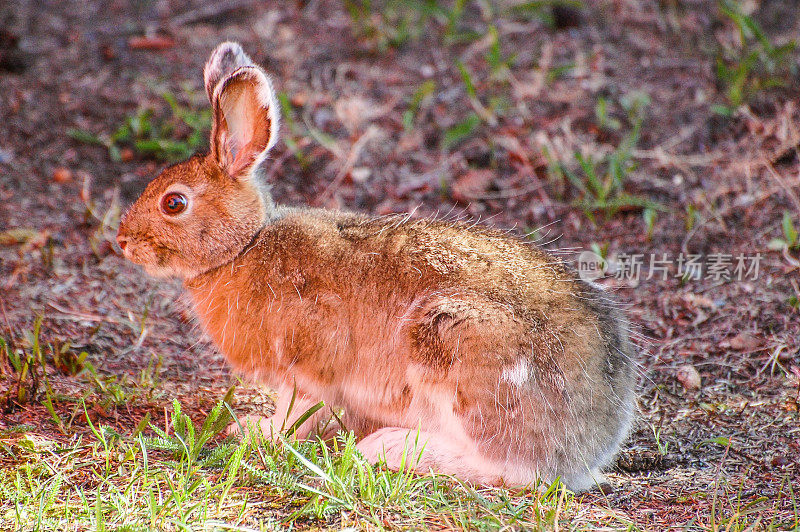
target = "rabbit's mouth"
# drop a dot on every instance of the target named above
(144, 255)
(135, 253)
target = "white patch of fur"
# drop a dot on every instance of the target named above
(518, 374)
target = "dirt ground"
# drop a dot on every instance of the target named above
(724, 183)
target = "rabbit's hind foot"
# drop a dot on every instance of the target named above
(402, 449)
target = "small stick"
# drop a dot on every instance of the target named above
(352, 157)
(777, 177)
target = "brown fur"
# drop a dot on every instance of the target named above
(506, 366)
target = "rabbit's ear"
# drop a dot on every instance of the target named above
(245, 120)
(225, 58)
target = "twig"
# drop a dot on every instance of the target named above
(777, 177)
(508, 193)
(660, 155)
(5, 317)
(352, 157)
(512, 144)
(83, 315)
(793, 262)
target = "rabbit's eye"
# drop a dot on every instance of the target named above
(174, 203)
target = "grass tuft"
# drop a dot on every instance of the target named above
(187, 476)
(173, 138)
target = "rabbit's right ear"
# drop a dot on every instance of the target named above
(244, 110)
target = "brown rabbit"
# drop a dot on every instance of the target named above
(483, 351)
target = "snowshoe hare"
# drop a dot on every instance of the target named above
(485, 352)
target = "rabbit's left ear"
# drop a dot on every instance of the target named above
(245, 113)
(245, 121)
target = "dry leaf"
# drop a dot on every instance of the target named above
(150, 43)
(743, 342)
(472, 185)
(688, 376)
(126, 155)
(698, 301)
(19, 235)
(62, 175)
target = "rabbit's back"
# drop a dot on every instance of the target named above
(399, 320)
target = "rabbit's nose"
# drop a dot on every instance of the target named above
(122, 240)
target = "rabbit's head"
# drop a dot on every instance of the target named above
(199, 214)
